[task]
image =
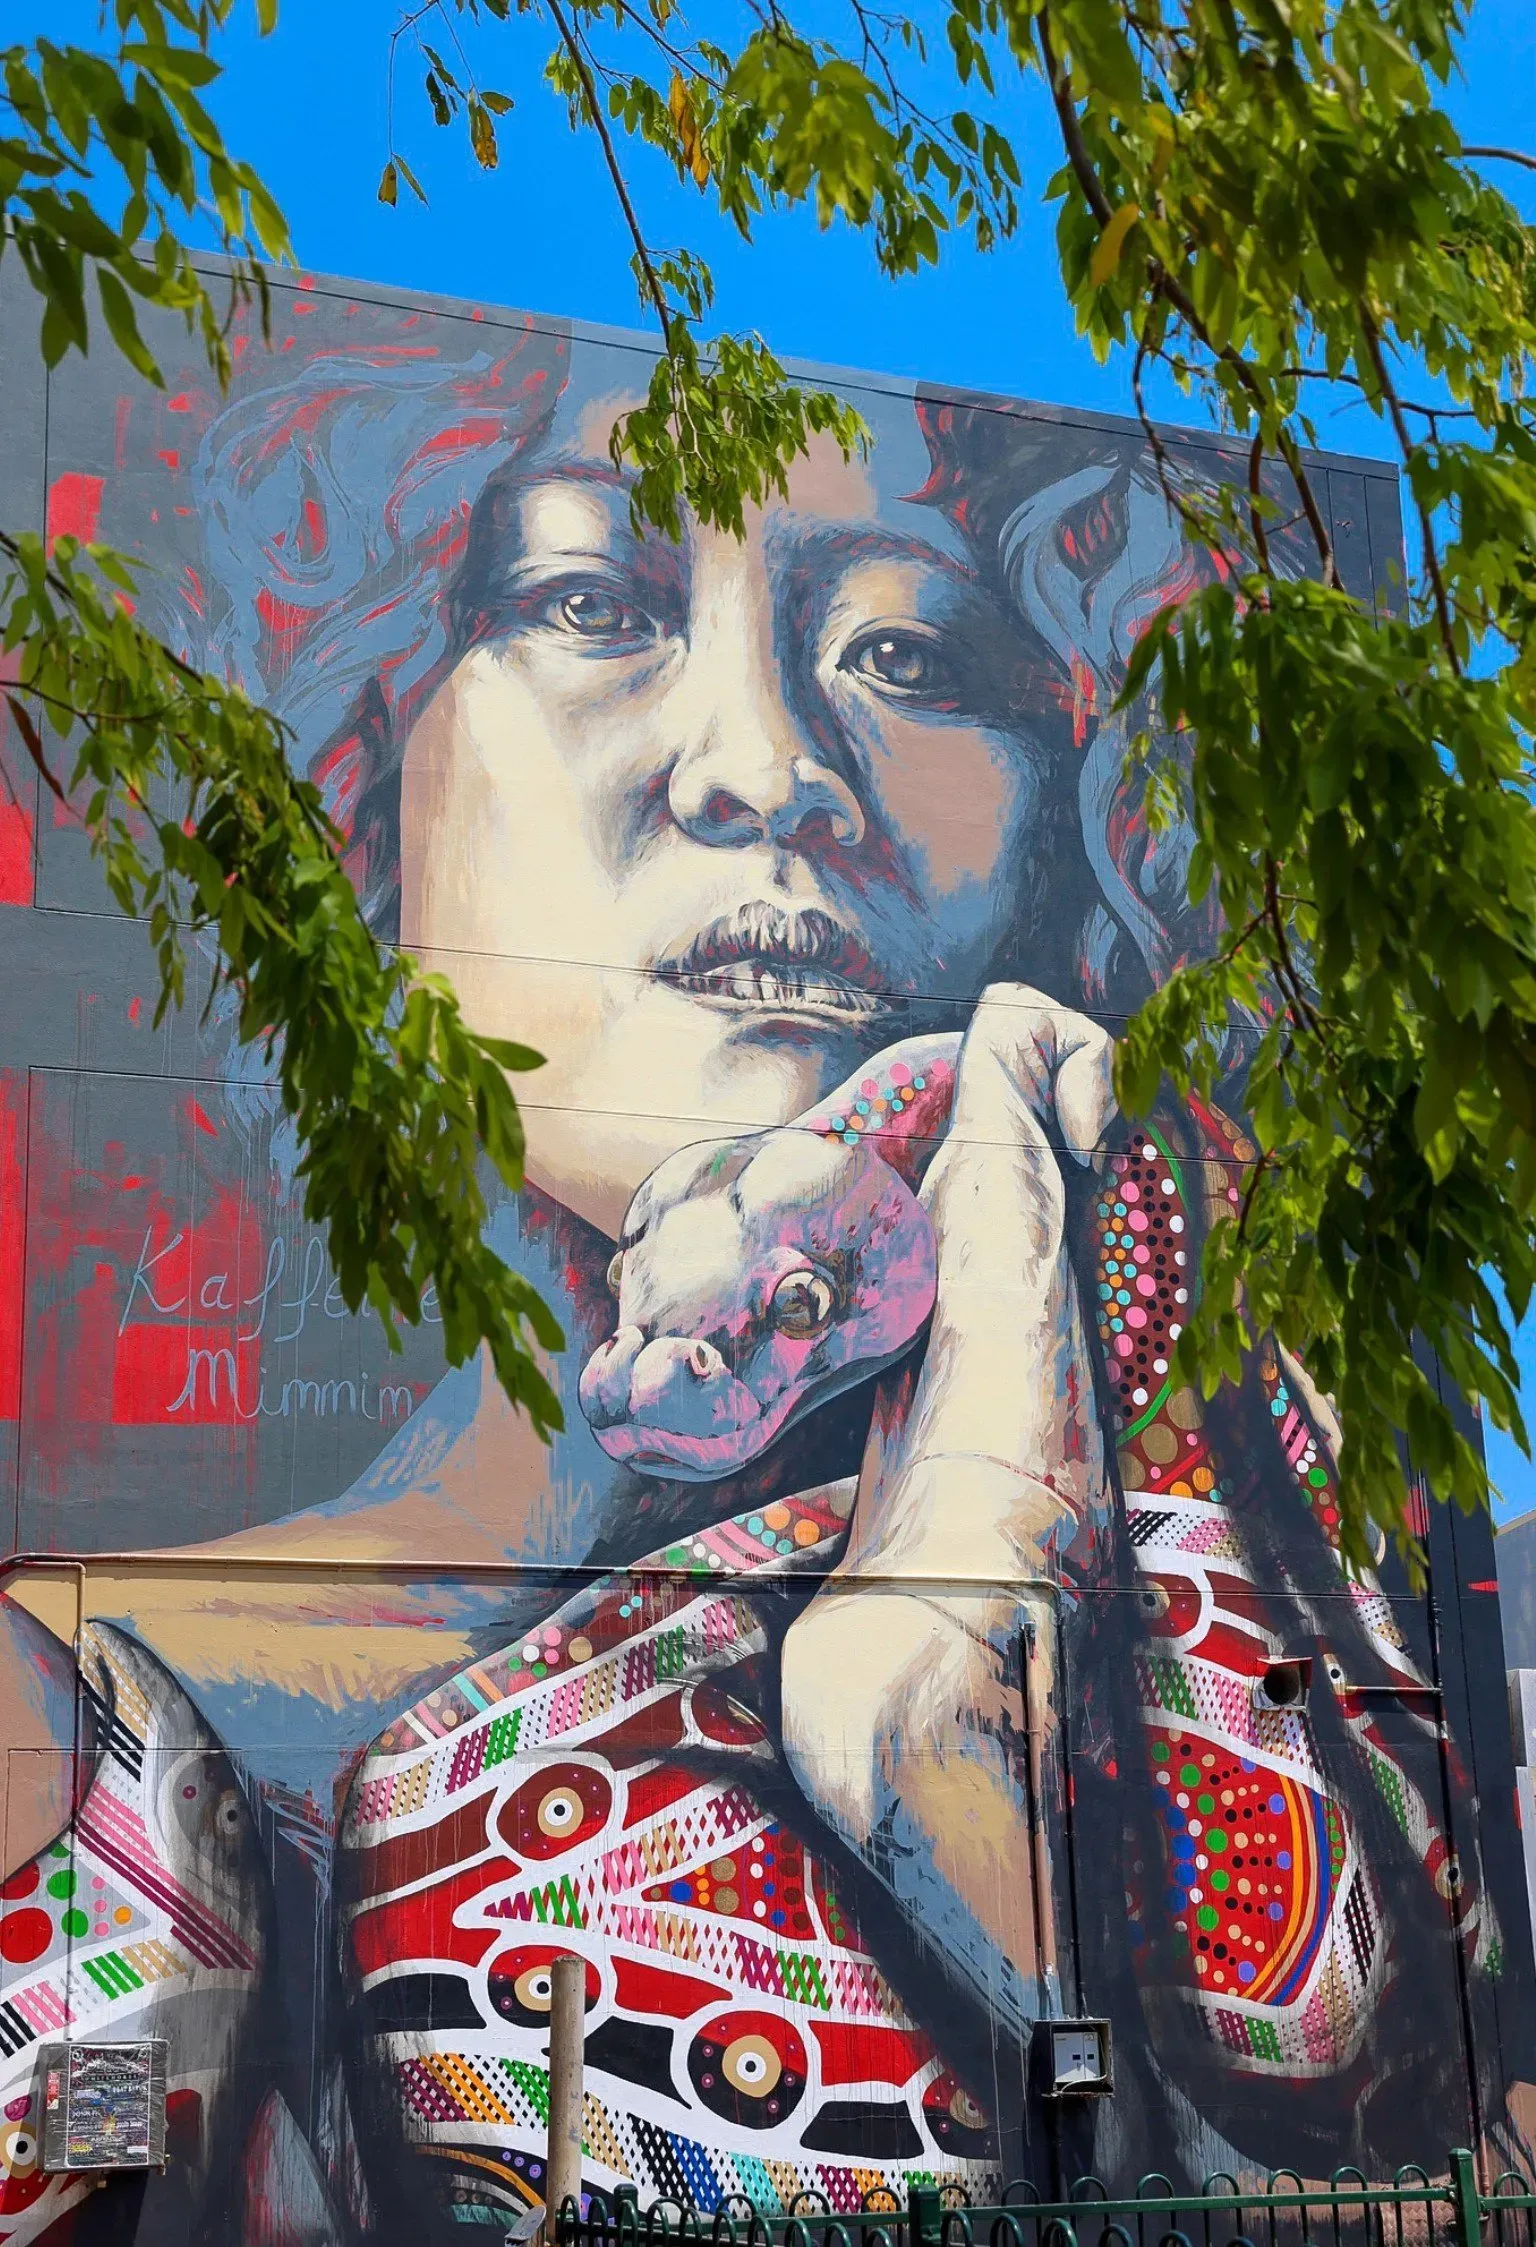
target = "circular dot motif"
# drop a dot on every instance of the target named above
(1232, 1884)
(25, 1935)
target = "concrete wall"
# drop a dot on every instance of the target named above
(875, 1666)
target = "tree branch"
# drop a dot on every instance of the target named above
(1504, 156)
(1164, 284)
(583, 70)
(1256, 502)
(1405, 444)
(1071, 127)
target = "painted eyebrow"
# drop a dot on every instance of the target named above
(583, 472)
(874, 542)
(581, 469)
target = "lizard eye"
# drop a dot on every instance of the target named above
(803, 1304)
(615, 1271)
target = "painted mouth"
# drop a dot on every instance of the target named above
(801, 963)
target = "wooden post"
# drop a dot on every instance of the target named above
(567, 2034)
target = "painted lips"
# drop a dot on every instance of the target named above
(801, 963)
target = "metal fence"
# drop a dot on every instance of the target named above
(1414, 2210)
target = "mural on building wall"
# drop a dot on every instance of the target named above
(876, 1664)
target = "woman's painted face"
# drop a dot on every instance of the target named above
(707, 823)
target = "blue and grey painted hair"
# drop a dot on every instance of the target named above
(335, 514)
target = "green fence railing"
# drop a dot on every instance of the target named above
(1414, 2210)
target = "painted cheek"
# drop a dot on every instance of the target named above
(951, 795)
(785, 1364)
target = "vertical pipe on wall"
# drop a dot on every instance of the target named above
(1448, 1813)
(1034, 1768)
(1039, 1863)
(567, 2030)
(1069, 1807)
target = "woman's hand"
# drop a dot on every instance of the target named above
(904, 1718)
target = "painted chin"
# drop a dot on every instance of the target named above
(694, 1458)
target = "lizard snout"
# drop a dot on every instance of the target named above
(605, 1378)
(671, 1393)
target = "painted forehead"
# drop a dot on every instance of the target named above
(575, 504)
(869, 490)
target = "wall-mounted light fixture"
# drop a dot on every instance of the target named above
(1284, 1685)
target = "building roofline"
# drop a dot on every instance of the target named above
(1182, 437)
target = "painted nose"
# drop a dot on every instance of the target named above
(678, 1382)
(604, 1388)
(673, 1378)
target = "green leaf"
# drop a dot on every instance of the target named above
(123, 325)
(181, 66)
(1111, 242)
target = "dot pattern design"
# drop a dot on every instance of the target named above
(130, 1924)
(1250, 1856)
(1143, 1281)
(733, 1990)
(1268, 1919)
(697, 1912)
(899, 1103)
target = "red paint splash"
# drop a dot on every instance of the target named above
(13, 1096)
(74, 506)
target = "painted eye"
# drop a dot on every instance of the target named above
(615, 1272)
(536, 1988)
(906, 665)
(560, 1811)
(803, 1305)
(595, 613)
(555, 1811)
(19, 2150)
(521, 1984)
(750, 2064)
(749, 2068)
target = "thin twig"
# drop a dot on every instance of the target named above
(1235, 944)
(1353, 382)
(1282, 960)
(599, 124)
(1176, 503)
(1504, 156)
(1256, 502)
(1249, 1193)
(1076, 147)
(1405, 443)
(99, 718)
(679, 60)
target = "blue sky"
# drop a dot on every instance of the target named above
(309, 105)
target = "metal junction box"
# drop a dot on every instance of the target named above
(104, 2105)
